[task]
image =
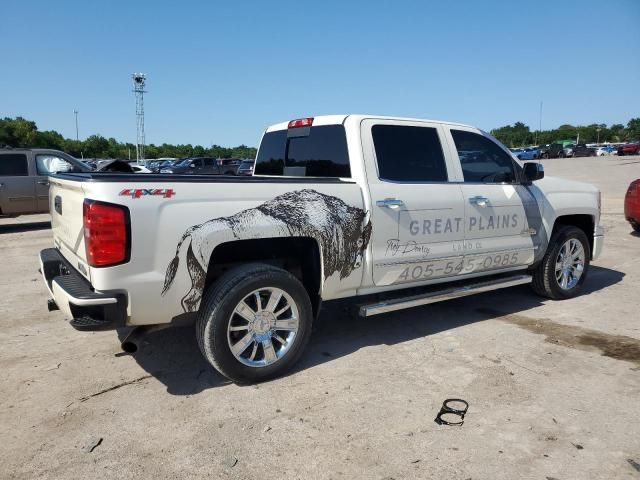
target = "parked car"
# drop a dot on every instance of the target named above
(196, 166)
(339, 206)
(632, 205)
(24, 178)
(528, 153)
(158, 165)
(556, 150)
(140, 169)
(567, 150)
(631, 148)
(581, 150)
(229, 166)
(543, 151)
(246, 167)
(606, 150)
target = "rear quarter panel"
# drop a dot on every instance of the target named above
(200, 216)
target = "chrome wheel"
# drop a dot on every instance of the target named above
(570, 264)
(263, 327)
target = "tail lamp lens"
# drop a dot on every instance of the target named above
(106, 233)
(301, 122)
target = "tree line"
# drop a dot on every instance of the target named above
(21, 133)
(519, 134)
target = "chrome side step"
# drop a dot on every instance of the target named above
(443, 294)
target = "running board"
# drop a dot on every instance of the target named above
(443, 294)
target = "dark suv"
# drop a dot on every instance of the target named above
(556, 150)
(543, 151)
(581, 150)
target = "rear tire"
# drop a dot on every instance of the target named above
(549, 274)
(249, 347)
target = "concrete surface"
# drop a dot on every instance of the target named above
(553, 387)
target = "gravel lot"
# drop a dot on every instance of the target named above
(553, 387)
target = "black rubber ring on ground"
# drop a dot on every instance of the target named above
(454, 411)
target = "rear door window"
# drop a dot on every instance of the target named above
(306, 152)
(13, 165)
(409, 153)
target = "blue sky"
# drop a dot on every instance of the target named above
(220, 72)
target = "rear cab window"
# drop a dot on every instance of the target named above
(315, 151)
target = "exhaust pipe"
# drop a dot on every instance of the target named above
(132, 342)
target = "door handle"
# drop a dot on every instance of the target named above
(389, 203)
(43, 182)
(479, 200)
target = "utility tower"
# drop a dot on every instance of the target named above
(139, 80)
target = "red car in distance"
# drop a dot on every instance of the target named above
(632, 205)
(631, 148)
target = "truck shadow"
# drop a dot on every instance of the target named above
(173, 356)
(23, 227)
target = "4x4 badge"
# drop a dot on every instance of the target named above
(139, 192)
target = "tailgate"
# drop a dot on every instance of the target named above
(66, 198)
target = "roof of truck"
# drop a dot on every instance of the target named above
(338, 119)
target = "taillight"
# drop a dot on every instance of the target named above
(301, 122)
(106, 233)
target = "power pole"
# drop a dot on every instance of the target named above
(139, 80)
(75, 113)
(539, 122)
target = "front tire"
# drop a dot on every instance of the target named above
(254, 323)
(563, 269)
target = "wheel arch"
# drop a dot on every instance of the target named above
(583, 221)
(300, 256)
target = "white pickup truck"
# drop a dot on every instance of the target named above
(338, 206)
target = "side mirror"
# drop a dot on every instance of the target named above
(533, 171)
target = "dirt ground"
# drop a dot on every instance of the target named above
(553, 387)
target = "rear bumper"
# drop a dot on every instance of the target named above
(598, 242)
(72, 293)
